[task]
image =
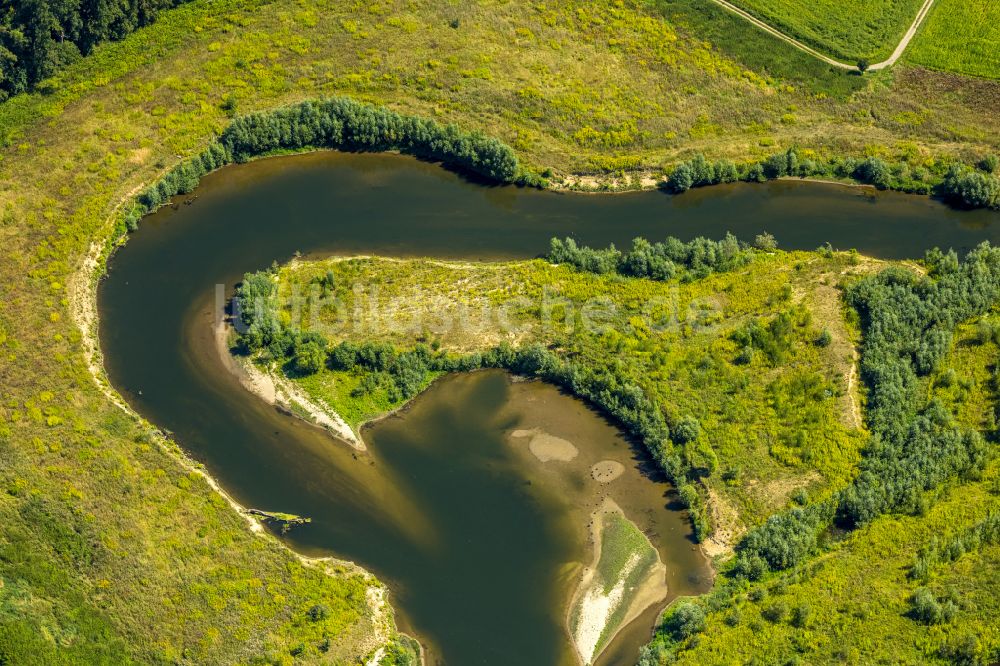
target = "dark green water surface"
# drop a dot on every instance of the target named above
(478, 544)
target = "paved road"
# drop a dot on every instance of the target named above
(921, 15)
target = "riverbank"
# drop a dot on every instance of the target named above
(380, 629)
(273, 389)
(247, 254)
(119, 117)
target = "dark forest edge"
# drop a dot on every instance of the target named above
(38, 37)
(907, 323)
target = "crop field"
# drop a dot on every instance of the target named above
(844, 29)
(960, 36)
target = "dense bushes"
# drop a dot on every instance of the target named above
(784, 540)
(971, 188)
(685, 619)
(656, 261)
(961, 184)
(915, 445)
(937, 552)
(337, 123)
(925, 607)
(39, 37)
(346, 124)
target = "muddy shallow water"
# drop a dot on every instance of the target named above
(479, 541)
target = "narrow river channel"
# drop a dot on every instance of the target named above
(478, 543)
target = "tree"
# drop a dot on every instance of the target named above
(875, 171)
(863, 66)
(681, 179)
(971, 188)
(686, 429)
(924, 607)
(309, 358)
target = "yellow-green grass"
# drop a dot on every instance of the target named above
(770, 427)
(844, 29)
(858, 596)
(651, 83)
(960, 36)
(340, 390)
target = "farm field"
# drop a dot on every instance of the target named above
(960, 37)
(847, 31)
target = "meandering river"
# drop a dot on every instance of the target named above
(478, 545)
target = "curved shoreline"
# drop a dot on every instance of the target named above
(275, 390)
(82, 296)
(82, 292)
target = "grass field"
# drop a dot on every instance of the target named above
(110, 549)
(960, 36)
(847, 30)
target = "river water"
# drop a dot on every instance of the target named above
(479, 544)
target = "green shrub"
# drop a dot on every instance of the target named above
(970, 188)
(684, 620)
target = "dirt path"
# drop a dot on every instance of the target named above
(900, 48)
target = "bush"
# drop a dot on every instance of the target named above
(656, 261)
(687, 429)
(970, 188)
(924, 607)
(776, 612)
(681, 179)
(309, 358)
(988, 164)
(800, 616)
(874, 171)
(685, 619)
(766, 242)
(784, 539)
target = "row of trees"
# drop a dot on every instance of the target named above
(656, 261)
(915, 445)
(336, 123)
(39, 37)
(346, 124)
(961, 185)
